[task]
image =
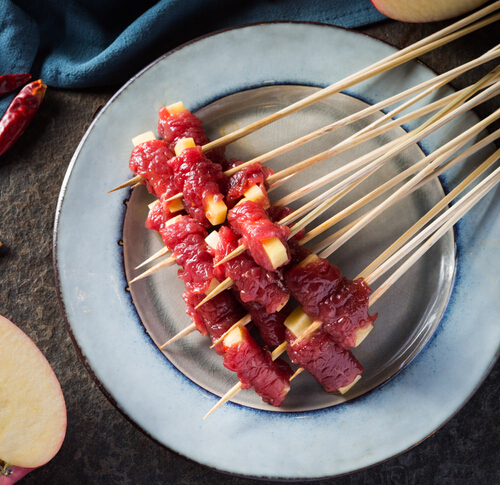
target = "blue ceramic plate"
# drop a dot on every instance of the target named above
(436, 336)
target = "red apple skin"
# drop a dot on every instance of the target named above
(417, 11)
(18, 473)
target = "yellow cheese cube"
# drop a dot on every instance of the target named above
(255, 193)
(173, 220)
(150, 206)
(175, 107)
(298, 321)
(175, 205)
(275, 251)
(215, 211)
(143, 137)
(343, 390)
(234, 337)
(362, 333)
(213, 239)
(182, 144)
(309, 259)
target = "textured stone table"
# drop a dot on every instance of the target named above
(101, 446)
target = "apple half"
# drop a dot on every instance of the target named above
(32, 407)
(425, 10)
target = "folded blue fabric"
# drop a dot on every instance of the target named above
(83, 43)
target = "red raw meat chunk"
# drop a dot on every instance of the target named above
(250, 221)
(199, 180)
(330, 364)
(254, 283)
(184, 124)
(255, 368)
(327, 296)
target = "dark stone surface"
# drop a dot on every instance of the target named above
(101, 446)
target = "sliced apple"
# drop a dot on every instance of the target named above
(32, 407)
(425, 10)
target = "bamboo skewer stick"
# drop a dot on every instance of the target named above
(448, 113)
(334, 194)
(451, 216)
(370, 270)
(384, 262)
(166, 263)
(423, 173)
(432, 42)
(427, 87)
(289, 198)
(392, 183)
(128, 183)
(439, 227)
(158, 254)
(183, 333)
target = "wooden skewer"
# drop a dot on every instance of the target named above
(286, 200)
(240, 323)
(128, 183)
(162, 252)
(383, 264)
(370, 270)
(163, 264)
(426, 87)
(451, 217)
(432, 42)
(417, 178)
(229, 395)
(452, 110)
(440, 226)
(186, 331)
(392, 183)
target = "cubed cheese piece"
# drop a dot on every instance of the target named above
(275, 251)
(255, 193)
(173, 220)
(176, 107)
(213, 285)
(213, 240)
(215, 211)
(182, 144)
(148, 136)
(362, 333)
(298, 321)
(175, 205)
(343, 390)
(150, 206)
(234, 337)
(309, 259)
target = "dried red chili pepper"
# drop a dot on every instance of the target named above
(20, 113)
(9, 82)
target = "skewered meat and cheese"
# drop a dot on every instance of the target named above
(254, 282)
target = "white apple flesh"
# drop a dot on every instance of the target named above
(32, 407)
(425, 10)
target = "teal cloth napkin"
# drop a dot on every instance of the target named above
(84, 43)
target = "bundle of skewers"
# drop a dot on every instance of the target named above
(242, 255)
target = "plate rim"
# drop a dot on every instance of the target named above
(57, 276)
